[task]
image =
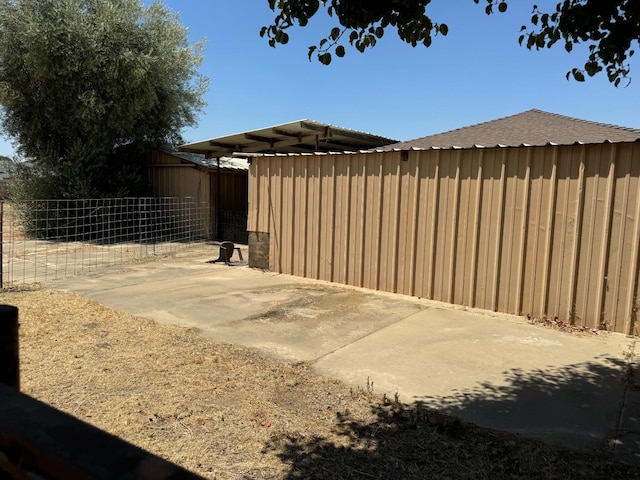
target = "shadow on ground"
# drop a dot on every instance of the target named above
(420, 441)
(577, 404)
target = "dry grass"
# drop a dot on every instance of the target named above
(557, 324)
(227, 412)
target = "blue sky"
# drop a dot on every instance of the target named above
(477, 73)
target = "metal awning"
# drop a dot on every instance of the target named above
(301, 136)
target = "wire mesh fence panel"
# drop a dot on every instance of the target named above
(234, 226)
(50, 239)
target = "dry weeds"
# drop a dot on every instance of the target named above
(557, 324)
(227, 412)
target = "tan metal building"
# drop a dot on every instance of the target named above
(217, 169)
(218, 186)
(534, 214)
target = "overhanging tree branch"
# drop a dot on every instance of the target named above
(610, 28)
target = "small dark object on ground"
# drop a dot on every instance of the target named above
(226, 252)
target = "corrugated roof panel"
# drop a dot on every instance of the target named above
(226, 163)
(294, 137)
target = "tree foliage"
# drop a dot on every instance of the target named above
(87, 85)
(610, 28)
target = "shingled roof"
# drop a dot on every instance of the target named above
(533, 127)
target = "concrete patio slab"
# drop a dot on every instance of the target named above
(492, 369)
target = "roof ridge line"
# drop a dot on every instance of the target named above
(590, 122)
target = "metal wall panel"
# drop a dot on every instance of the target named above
(546, 231)
(171, 177)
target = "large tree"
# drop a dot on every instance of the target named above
(86, 86)
(610, 28)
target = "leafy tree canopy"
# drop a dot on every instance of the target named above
(87, 85)
(610, 28)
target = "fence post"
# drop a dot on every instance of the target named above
(9, 352)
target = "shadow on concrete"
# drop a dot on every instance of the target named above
(578, 405)
(431, 439)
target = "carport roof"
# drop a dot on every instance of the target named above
(301, 136)
(225, 163)
(530, 128)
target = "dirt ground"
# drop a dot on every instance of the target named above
(227, 412)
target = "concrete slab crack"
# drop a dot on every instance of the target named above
(315, 360)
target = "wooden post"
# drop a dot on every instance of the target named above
(9, 356)
(218, 199)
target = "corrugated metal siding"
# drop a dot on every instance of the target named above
(229, 200)
(171, 177)
(233, 190)
(180, 182)
(547, 231)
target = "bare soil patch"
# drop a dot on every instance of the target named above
(223, 411)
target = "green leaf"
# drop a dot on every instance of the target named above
(578, 75)
(335, 33)
(366, 41)
(444, 29)
(592, 68)
(502, 7)
(125, 74)
(340, 51)
(531, 41)
(325, 58)
(379, 32)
